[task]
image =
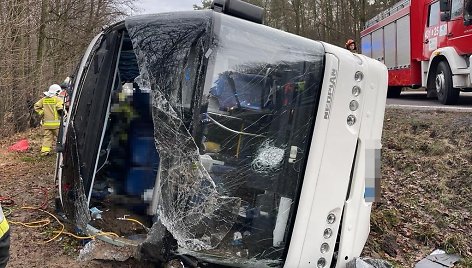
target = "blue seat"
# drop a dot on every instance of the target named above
(143, 155)
(140, 179)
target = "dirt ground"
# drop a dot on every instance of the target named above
(426, 204)
(426, 188)
(28, 180)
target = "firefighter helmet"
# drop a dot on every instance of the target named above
(54, 89)
(349, 42)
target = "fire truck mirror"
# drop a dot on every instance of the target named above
(445, 16)
(444, 5)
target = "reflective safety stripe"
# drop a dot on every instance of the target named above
(49, 101)
(3, 225)
(45, 149)
(53, 123)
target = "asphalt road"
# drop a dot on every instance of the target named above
(417, 100)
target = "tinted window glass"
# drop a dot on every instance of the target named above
(262, 87)
(457, 8)
(468, 10)
(234, 105)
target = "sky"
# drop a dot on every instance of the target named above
(156, 6)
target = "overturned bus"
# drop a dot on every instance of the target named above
(235, 143)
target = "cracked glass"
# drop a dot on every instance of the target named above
(233, 108)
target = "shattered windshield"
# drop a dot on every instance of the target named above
(233, 108)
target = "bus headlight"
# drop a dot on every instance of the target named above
(321, 263)
(356, 91)
(358, 76)
(331, 218)
(324, 248)
(327, 233)
(353, 105)
(351, 120)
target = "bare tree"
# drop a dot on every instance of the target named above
(40, 43)
(333, 21)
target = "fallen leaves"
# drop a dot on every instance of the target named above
(426, 184)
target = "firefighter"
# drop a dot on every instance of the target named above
(4, 240)
(351, 46)
(50, 107)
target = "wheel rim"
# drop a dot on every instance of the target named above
(440, 82)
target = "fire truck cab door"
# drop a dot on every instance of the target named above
(459, 27)
(435, 33)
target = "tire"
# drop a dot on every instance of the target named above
(443, 83)
(394, 92)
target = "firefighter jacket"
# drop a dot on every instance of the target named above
(3, 224)
(48, 107)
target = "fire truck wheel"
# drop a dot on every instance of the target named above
(443, 83)
(394, 92)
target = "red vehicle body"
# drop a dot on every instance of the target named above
(424, 43)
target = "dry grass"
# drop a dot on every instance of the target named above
(427, 192)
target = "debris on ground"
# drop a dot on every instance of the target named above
(99, 250)
(20, 146)
(426, 195)
(96, 213)
(368, 263)
(438, 259)
(426, 203)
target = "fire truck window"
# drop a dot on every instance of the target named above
(433, 18)
(468, 10)
(457, 8)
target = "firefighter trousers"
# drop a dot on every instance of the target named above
(49, 136)
(4, 249)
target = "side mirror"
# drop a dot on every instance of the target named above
(445, 16)
(468, 16)
(444, 5)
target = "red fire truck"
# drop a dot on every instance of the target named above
(424, 43)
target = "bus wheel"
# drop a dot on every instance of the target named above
(394, 92)
(443, 82)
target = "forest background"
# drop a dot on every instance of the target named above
(41, 42)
